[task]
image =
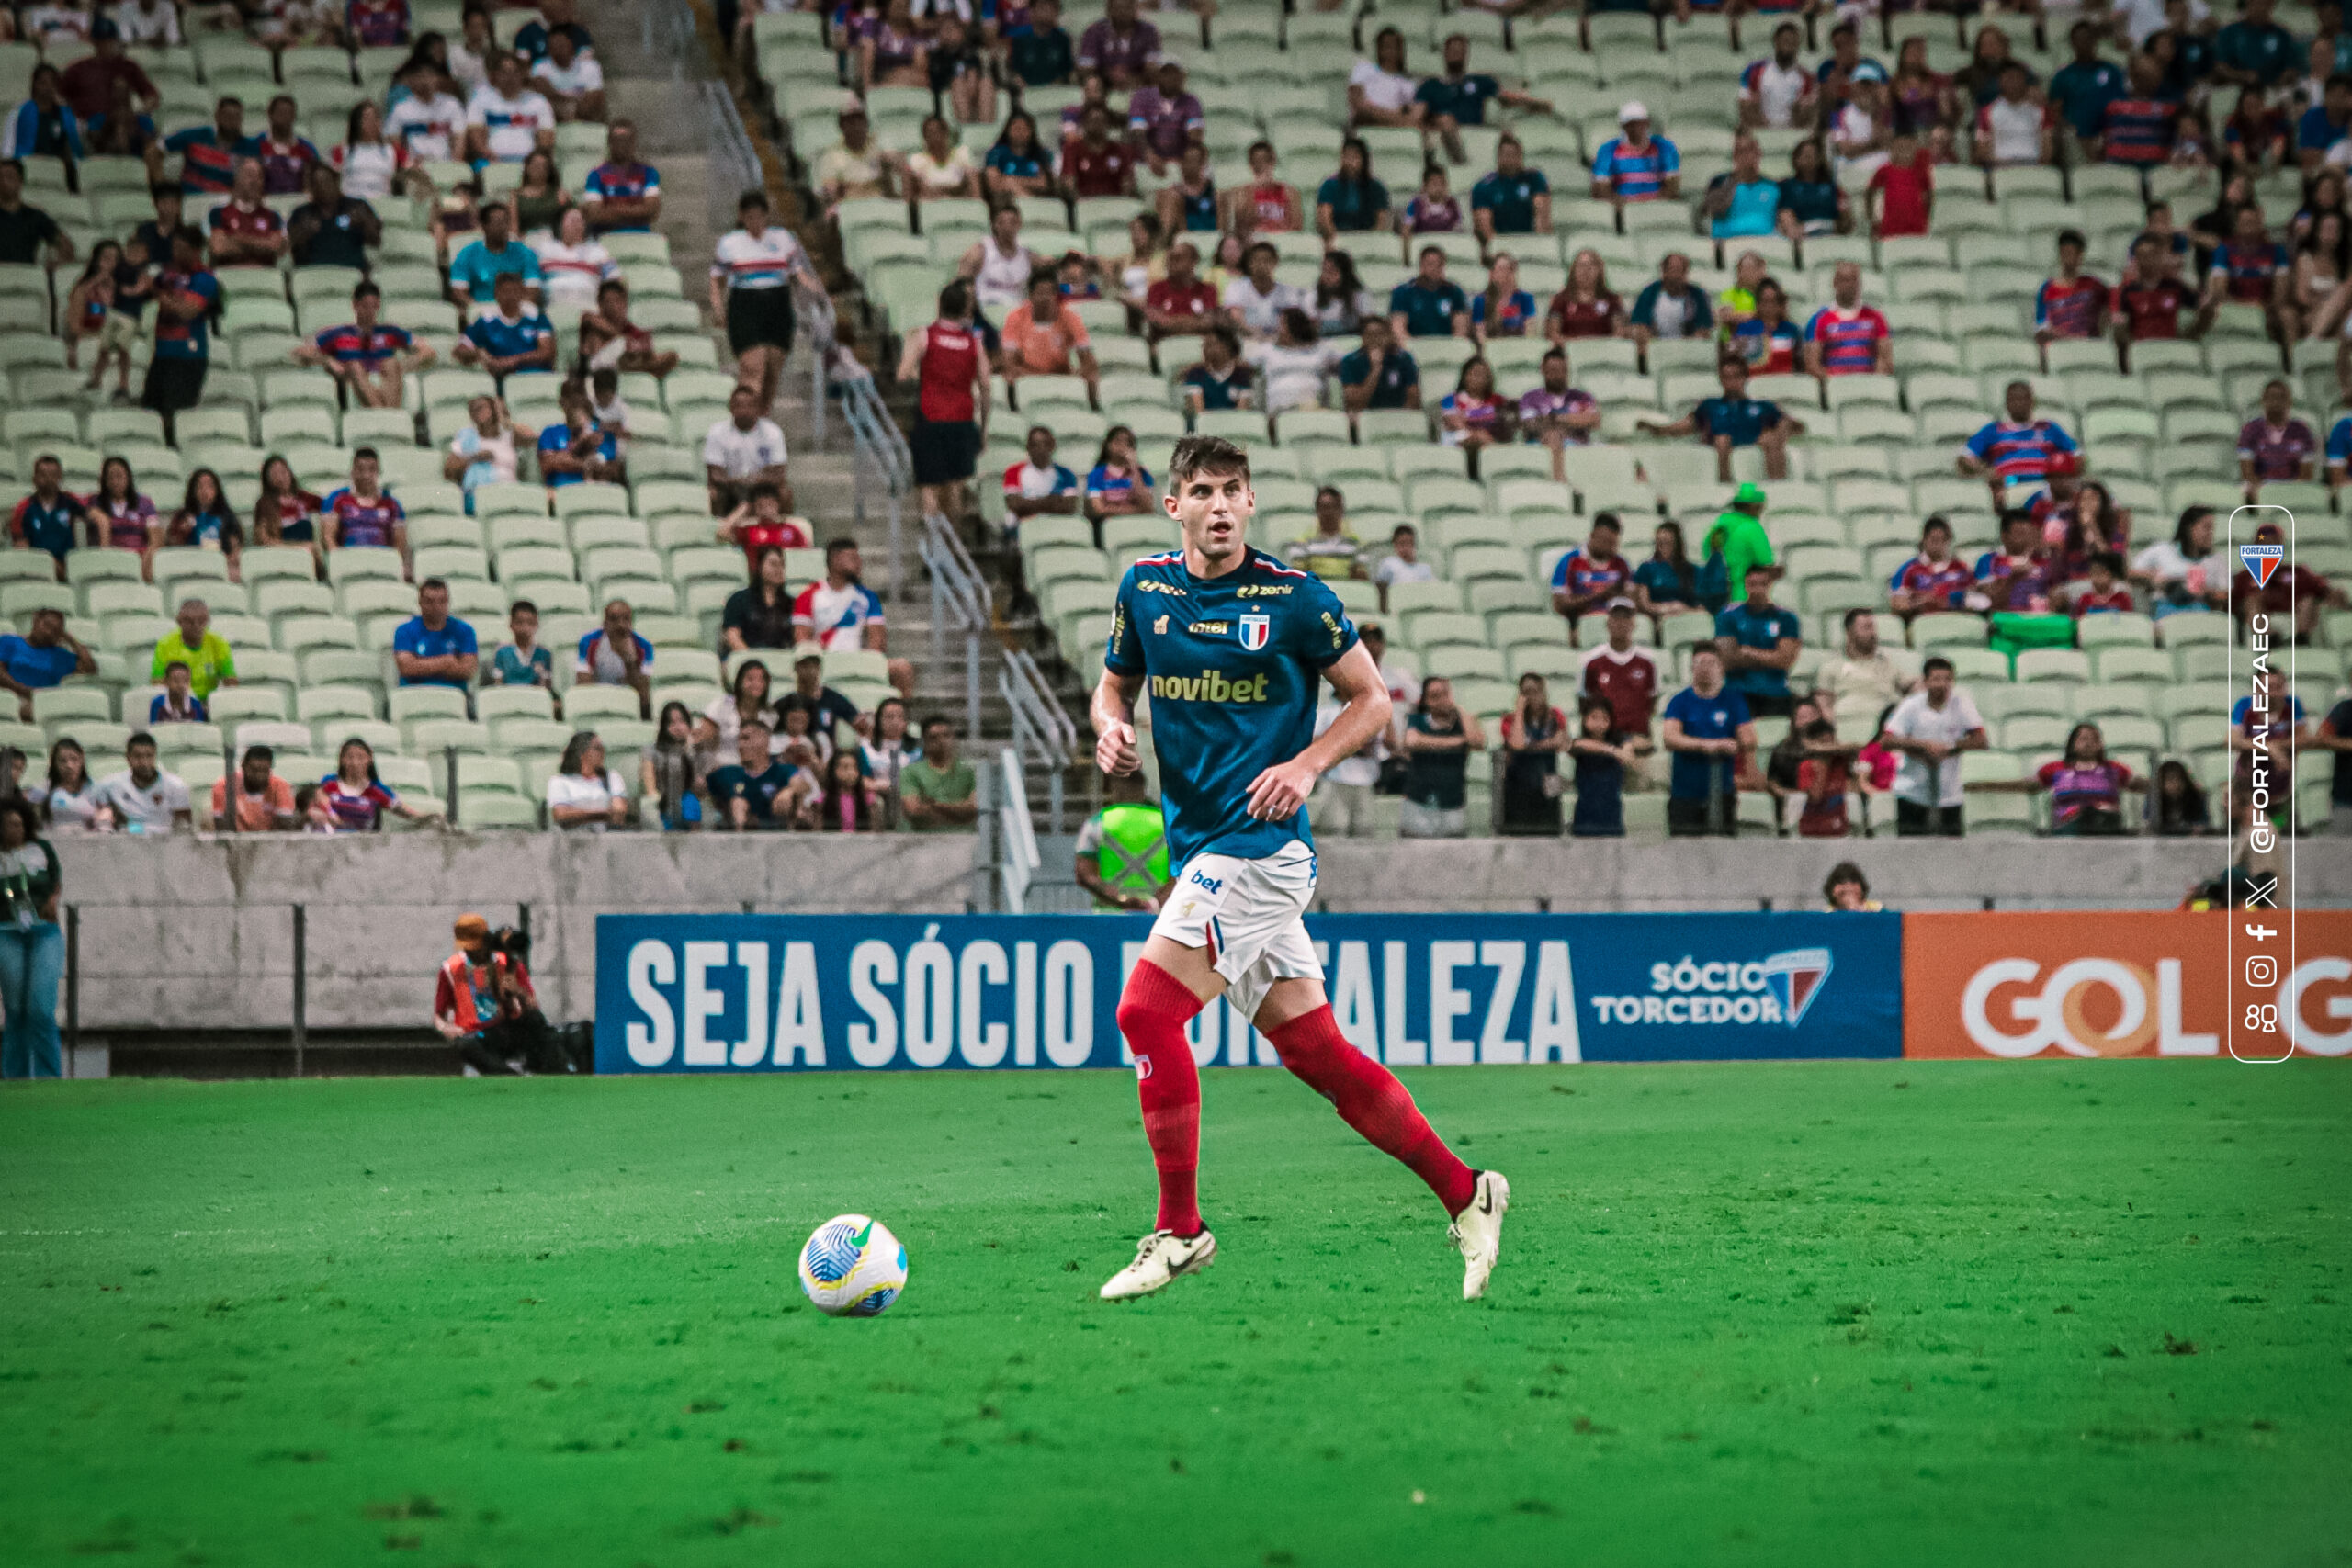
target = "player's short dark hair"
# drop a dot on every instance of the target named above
(258, 753)
(430, 584)
(49, 457)
(751, 199)
(1934, 663)
(180, 664)
(138, 738)
(1608, 520)
(955, 298)
(1934, 523)
(1196, 455)
(369, 453)
(834, 547)
(365, 290)
(1855, 613)
(2072, 237)
(520, 605)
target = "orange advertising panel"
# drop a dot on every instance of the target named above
(2095, 983)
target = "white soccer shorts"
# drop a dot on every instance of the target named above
(1248, 913)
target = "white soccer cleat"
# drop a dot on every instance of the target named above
(1477, 1232)
(1159, 1258)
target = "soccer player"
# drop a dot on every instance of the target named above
(1234, 645)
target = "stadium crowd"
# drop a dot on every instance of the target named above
(1914, 298)
(411, 251)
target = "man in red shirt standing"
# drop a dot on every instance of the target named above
(1180, 304)
(2149, 302)
(951, 372)
(1094, 165)
(1624, 675)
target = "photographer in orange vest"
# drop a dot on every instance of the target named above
(484, 1006)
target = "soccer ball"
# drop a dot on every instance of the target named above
(852, 1267)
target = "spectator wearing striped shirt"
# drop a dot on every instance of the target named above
(2136, 130)
(209, 153)
(1634, 165)
(2250, 268)
(2275, 446)
(368, 356)
(2070, 305)
(2014, 453)
(1848, 337)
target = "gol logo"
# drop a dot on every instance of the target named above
(2146, 1009)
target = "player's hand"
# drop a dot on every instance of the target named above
(1276, 794)
(1114, 749)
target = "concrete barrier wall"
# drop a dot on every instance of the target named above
(196, 934)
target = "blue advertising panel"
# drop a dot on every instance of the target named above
(779, 993)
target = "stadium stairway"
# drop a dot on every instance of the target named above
(642, 88)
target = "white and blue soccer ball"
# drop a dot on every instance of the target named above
(852, 1267)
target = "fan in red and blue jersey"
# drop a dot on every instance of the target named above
(2021, 575)
(366, 348)
(1636, 166)
(1849, 338)
(375, 24)
(1933, 579)
(2275, 446)
(2070, 305)
(209, 153)
(2016, 450)
(617, 185)
(1589, 575)
(2247, 267)
(2137, 130)
(361, 514)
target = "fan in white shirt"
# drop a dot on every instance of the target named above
(433, 130)
(572, 79)
(153, 22)
(574, 265)
(505, 119)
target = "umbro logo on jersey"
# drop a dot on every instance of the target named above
(1159, 626)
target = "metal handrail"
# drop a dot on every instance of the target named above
(1018, 859)
(875, 443)
(819, 329)
(1041, 728)
(959, 602)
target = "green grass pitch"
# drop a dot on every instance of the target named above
(1805, 1313)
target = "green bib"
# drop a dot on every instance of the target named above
(1134, 856)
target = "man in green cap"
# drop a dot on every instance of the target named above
(1122, 849)
(1735, 546)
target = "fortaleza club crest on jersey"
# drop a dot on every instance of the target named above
(2261, 560)
(1254, 629)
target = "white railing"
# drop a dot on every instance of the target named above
(1017, 858)
(960, 606)
(1042, 729)
(878, 457)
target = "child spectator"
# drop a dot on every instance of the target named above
(1433, 210)
(1473, 415)
(1901, 197)
(177, 703)
(1600, 755)
(2070, 305)
(521, 660)
(2107, 593)
(2176, 807)
(1848, 891)
(1403, 563)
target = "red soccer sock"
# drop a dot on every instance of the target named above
(1152, 1014)
(1369, 1098)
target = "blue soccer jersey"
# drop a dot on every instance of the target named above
(1234, 665)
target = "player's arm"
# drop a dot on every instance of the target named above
(1277, 794)
(1114, 712)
